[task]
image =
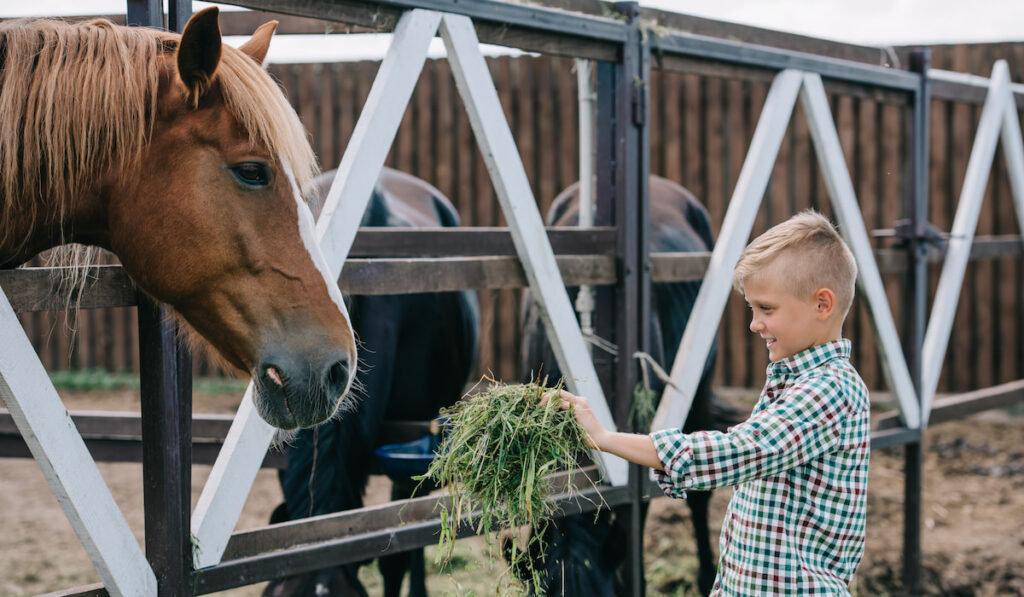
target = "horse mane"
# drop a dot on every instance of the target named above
(77, 99)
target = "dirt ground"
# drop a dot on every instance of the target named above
(973, 518)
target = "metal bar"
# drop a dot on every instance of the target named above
(93, 590)
(178, 14)
(632, 291)
(145, 13)
(506, 13)
(916, 309)
(897, 436)
(165, 373)
(708, 48)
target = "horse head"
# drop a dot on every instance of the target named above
(183, 157)
(218, 228)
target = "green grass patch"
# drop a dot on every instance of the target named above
(98, 379)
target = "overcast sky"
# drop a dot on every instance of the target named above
(868, 22)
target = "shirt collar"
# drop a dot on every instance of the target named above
(810, 358)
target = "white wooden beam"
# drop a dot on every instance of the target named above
(947, 294)
(1013, 154)
(851, 225)
(231, 478)
(739, 221)
(505, 167)
(241, 456)
(66, 464)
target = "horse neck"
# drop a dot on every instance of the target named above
(79, 219)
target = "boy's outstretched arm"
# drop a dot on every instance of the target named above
(634, 447)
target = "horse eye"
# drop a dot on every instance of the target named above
(253, 174)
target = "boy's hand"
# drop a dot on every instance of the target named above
(583, 413)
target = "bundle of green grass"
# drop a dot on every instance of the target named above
(499, 447)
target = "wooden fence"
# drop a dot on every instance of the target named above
(701, 126)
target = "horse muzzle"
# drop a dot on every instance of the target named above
(291, 393)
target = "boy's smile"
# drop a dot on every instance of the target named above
(787, 323)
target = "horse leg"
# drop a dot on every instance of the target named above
(708, 569)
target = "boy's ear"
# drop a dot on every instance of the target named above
(826, 303)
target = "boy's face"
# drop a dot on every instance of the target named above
(787, 323)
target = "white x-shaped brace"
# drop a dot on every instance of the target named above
(68, 467)
(232, 476)
(739, 221)
(998, 121)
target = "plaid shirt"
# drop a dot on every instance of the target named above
(799, 464)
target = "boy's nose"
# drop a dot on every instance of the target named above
(755, 325)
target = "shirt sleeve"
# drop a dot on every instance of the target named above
(801, 425)
(676, 455)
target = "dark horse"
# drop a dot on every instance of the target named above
(416, 355)
(584, 557)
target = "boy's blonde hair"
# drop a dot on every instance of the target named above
(815, 257)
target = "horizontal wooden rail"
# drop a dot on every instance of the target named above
(476, 241)
(38, 289)
(116, 436)
(955, 407)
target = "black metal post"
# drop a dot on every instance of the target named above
(145, 13)
(633, 290)
(915, 310)
(165, 373)
(178, 14)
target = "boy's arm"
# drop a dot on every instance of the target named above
(798, 427)
(634, 447)
(631, 446)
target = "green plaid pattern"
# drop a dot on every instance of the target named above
(799, 467)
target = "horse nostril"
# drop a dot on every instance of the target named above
(275, 376)
(336, 377)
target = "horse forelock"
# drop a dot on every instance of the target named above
(258, 103)
(69, 111)
(78, 98)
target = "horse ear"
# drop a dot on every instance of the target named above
(199, 51)
(257, 46)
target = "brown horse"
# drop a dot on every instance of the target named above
(183, 157)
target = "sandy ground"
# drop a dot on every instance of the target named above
(973, 518)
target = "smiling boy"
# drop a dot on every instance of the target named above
(799, 464)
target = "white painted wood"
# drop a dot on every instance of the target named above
(1013, 154)
(231, 479)
(505, 167)
(961, 236)
(66, 464)
(227, 488)
(851, 225)
(374, 135)
(739, 221)
(969, 79)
